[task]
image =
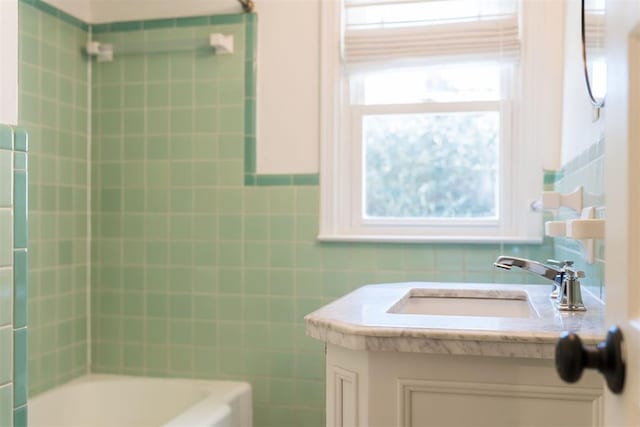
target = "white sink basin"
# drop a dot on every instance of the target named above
(465, 302)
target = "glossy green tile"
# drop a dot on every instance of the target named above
(134, 71)
(180, 306)
(206, 93)
(256, 253)
(6, 297)
(6, 405)
(49, 84)
(134, 122)
(181, 121)
(20, 379)
(231, 119)
(249, 179)
(181, 146)
(281, 200)
(226, 19)
(6, 238)
(308, 179)
(6, 172)
(181, 200)
(6, 137)
(230, 335)
(192, 21)
(6, 354)
(20, 417)
(110, 97)
(30, 50)
(282, 227)
(255, 310)
(270, 180)
(206, 119)
(231, 146)
(158, 23)
(230, 229)
(250, 48)
(181, 94)
(230, 254)
(20, 291)
(282, 282)
(229, 308)
(281, 310)
(181, 67)
(125, 26)
(20, 228)
(250, 117)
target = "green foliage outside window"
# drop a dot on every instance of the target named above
(431, 165)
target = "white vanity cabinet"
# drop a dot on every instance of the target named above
(386, 369)
(383, 389)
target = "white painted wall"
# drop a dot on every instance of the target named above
(9, 62)
(288, 137)
(81, 9)
(579, 131)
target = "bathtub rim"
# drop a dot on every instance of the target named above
(211, 407)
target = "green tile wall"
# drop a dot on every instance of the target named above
(194, 273)
(13, 276)
(199, 266)
(6, 276)
(53, 90)
(586, 169)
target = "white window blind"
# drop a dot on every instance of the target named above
(384, 31)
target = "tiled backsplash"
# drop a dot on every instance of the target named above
(587, 169)
(13, 277)
(54, 109)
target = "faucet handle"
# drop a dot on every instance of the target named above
(560, 264)
(557, 263)
(570, 272)
(576, 274)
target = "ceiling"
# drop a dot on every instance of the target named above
(102, 11)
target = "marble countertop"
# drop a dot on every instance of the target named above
(361, 321)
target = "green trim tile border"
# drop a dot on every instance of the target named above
(251, 178)
(154, 24)
(551, 177)
(53, 11)
(13, 363)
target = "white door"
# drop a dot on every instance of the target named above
(622, 115)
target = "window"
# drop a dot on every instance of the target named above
(424, 118)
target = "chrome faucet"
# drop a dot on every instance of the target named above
(570, 293)
(566, 286)
(548, 272)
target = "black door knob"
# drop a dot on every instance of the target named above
(572, 358)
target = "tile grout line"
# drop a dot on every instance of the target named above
(88, 255)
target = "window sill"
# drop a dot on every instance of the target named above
(429, 239)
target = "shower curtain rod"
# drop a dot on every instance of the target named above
(216, 42)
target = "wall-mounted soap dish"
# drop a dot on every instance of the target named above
(554, 200)
(585, 230)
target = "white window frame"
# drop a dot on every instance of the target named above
(534, 115)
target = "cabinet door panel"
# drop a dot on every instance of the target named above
(448, 404)
(345, 398)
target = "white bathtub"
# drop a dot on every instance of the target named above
(123, 401)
